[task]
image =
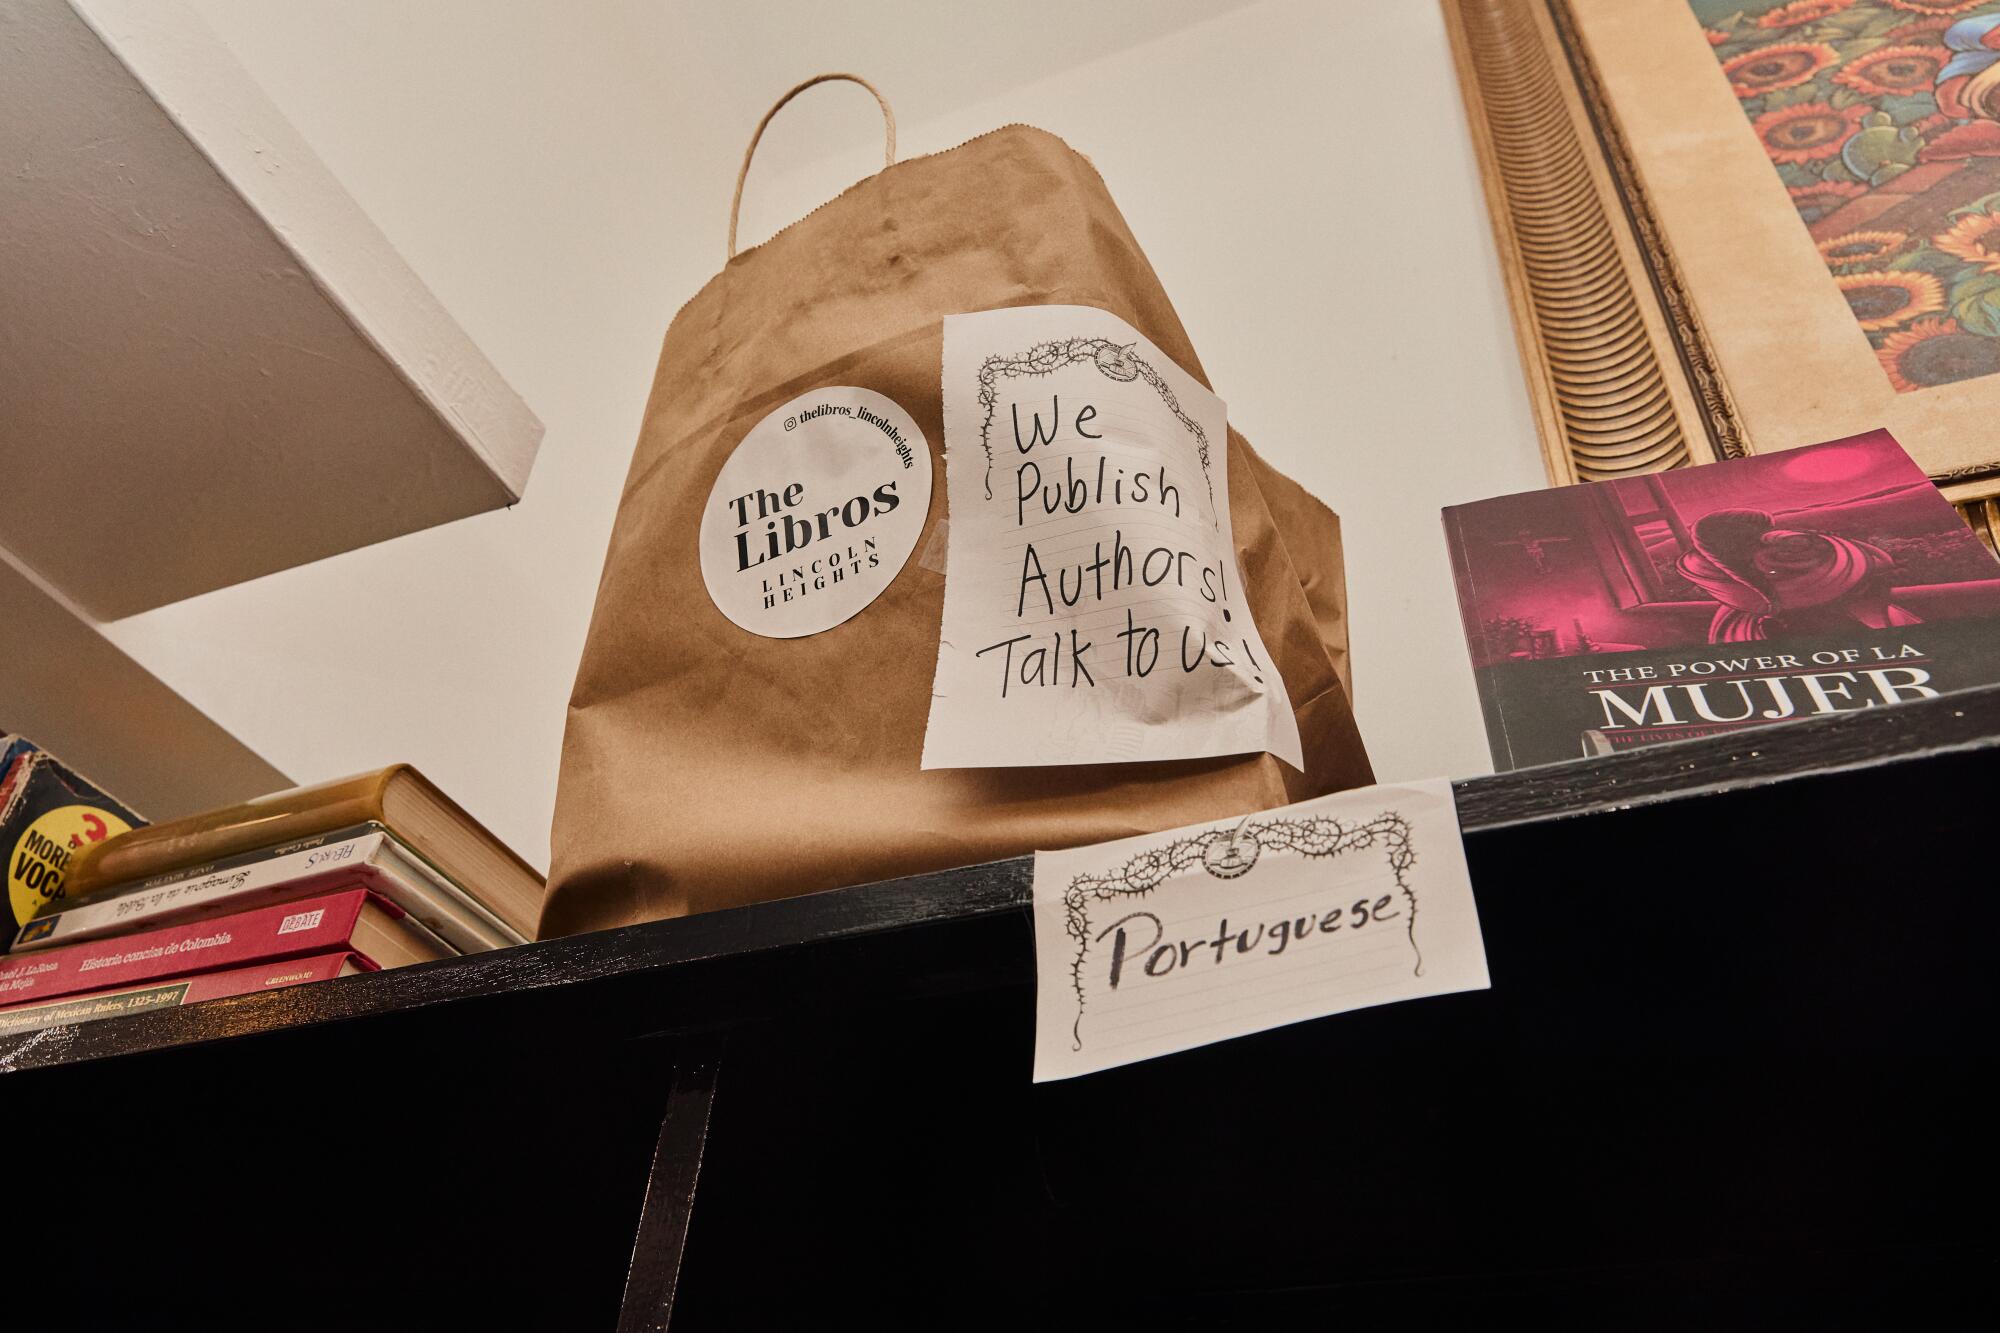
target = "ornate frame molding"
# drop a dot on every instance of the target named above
(1622, 378)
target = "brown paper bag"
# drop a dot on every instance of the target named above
(705, 766)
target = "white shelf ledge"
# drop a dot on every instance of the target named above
(212, 365)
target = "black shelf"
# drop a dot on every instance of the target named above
(1730, 1066)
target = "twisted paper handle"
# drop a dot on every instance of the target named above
(888, 147)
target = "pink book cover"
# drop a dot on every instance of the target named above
(1824, 579)
(290, 930)
(90, 1007)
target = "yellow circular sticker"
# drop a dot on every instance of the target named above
(40, 860)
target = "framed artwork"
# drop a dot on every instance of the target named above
(1736, 226)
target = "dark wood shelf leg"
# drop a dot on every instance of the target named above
(669, 1205)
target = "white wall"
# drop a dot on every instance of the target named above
(1297, 170)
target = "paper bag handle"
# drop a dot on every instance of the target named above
(888, 147)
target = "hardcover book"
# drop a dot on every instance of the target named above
(398, 800)
(1702, 600)
(363, 857)
(356, 921)
(183, 990)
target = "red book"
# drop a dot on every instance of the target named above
(1702, 600)
(183, 990)
(355, 921)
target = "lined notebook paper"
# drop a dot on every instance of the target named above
(1093, 608)
(1161, 943)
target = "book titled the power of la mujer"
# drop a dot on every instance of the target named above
(1818, 580)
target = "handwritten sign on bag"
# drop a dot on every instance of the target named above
(1161, 943)
(1093, 610)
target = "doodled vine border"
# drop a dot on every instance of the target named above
(1317, 837)
(1116, 361)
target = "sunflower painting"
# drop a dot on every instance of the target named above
(1882, 117)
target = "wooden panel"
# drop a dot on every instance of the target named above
(739, 966)
(1728, 1070)
(668, 1211)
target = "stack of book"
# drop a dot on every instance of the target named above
(372, 872)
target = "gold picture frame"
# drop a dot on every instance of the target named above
(1623, 377)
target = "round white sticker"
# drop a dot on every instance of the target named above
(815, 512)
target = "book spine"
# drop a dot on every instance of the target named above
(1491, 708)
(324, 868)
(94, 1005)
(374, 863)
(181, 874)
(289, 930)
(283, 817)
